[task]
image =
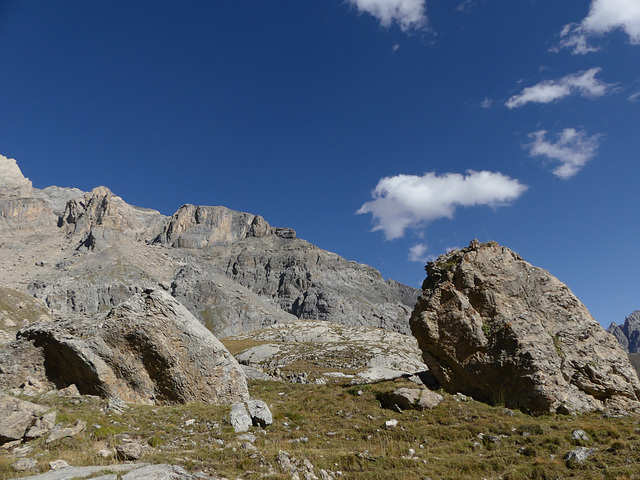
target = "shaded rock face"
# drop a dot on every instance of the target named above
(628, 334)
(149, 349)
(311, 283)
(492, 326)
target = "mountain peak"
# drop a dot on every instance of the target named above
(12, 182)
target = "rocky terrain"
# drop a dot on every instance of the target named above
(320, 352)
(83, 253)
(212, 345)
(494, 327)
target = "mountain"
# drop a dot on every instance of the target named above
(83, 253)
(628, 334)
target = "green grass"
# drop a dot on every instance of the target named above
(342, 428)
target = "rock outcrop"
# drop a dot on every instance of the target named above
(628, 334)
(315, 351)
(149, 349)
(494, 327)
(12, 182)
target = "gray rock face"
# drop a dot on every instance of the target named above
(311, 283)
(149, 349)
(198, 227)
(494, 327)
(628, 334)
(84, 253)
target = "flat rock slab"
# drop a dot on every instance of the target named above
(69, 473)
(135, 471)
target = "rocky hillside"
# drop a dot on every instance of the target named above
(83, 253)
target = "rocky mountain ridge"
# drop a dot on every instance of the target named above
(628, 334)
(83, 253)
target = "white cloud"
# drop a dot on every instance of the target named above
(486, 103)
(395, 48)
(417, 253)
(604, 16)
(405, 201)
(407, 14)
(634, 97)
(573, 150)
(466, 6)
(583, 83)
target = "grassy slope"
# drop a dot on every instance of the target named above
(338, 429)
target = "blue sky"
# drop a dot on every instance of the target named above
(387, 131)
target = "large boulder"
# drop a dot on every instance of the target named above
(149, 349)
(494, 327)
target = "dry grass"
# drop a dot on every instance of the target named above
(342, 428)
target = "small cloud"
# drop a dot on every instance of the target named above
(582, 83)
(417, 253)
(604, 16)
(634, 97)
(395, 48)
(410, 201)
(408, 14)
(466, 6)
(573, 149)
(486, 103)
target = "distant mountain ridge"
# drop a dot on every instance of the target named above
(83, 253)
(628, 334)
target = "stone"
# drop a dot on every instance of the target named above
(240, 418)
(42, 426)
(389, 424)
(498, 329)
(412, 398)
(131, 451)
(580, 435)
(578, 456)
(162, 472)
(77, 473)
(24, 464)
(16, 417)
(58, 464)
(259, 413)
(59, 431)
(149, 349)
